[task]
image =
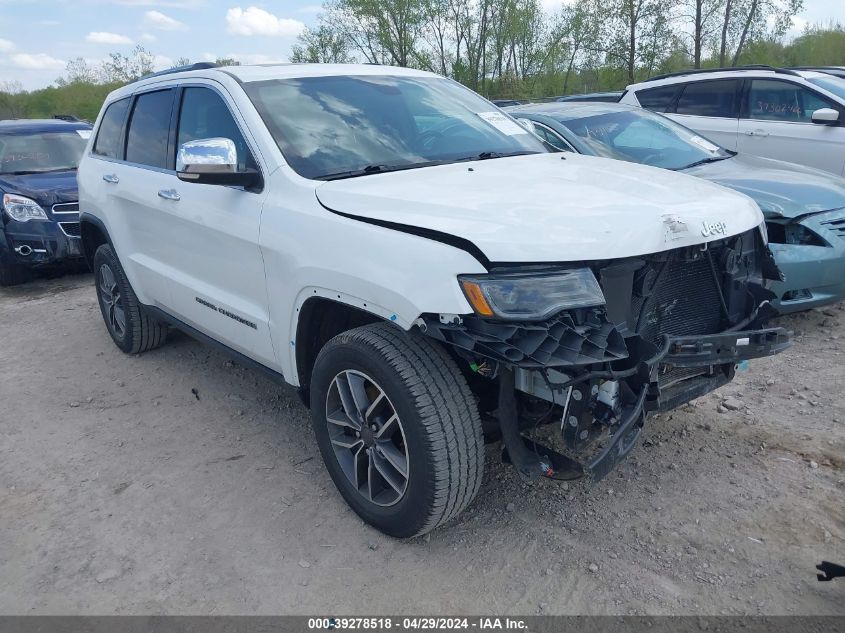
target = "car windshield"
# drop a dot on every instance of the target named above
(347, 126)
(641, 136)
(836, 85)
(41, 152)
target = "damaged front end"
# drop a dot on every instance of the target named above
(598, 347)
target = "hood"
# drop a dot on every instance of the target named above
(780, 189)
(549, 207)
(46, 189)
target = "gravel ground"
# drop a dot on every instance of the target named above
(179, 482)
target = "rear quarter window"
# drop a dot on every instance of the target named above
(658, 99)
(715, 98)
(109, 141)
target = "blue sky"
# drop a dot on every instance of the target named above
(37, 37)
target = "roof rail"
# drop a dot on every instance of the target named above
(702, 71)
(179, 69)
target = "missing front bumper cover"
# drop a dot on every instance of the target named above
(533, 460)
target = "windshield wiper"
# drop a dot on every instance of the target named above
(29, 172)
(704, 161)
(490, 155)
(369, 169)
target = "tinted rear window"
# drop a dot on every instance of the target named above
(657, 99)
(146, 141)
(109, 138)
(709, 98)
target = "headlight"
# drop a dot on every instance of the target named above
(22, 209)
(531, 295)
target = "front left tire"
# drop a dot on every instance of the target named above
(398, 428)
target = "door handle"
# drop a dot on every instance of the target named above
(112, 178)
(760, 133)
(169, 194)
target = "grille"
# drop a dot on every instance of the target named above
(71, 229)
(65, 207)
(685, 301)
(837, 226)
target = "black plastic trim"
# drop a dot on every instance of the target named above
(194, 333)
(430, 234)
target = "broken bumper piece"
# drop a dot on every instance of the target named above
(534, 460)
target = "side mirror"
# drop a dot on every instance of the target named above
(825, 116)
(212, 161)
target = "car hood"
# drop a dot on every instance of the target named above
(549, 207)
(46, 189)
(780, 189)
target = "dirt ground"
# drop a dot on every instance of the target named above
(179, 482)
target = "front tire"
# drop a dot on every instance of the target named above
(397, 427)
(131, 329)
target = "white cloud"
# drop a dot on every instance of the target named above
(161, 62)
(255, 21)
(162, 22)
(6, 46)
(36, 61)
(148, 37)
(246, 58)
(102, 37)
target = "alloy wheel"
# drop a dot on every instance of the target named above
(367, 437)
(112, 301)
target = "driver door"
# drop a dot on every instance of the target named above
(218, 285)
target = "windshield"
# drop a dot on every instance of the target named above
(836, 85)
(344, 126)
(46, 151)
(644, 137)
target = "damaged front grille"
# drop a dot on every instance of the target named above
(555, 342)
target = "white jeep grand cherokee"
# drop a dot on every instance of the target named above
(419, 266)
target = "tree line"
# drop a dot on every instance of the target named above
(501, 48)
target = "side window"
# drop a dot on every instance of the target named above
(658, 99)
(551, 137)
(709, 98)
(204, 114)
(109, 140)
(149, 125)
(774, 100)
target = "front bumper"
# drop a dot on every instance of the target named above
(37, 244)
(814, 275)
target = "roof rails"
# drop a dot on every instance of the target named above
(179, 69)
(702, 71)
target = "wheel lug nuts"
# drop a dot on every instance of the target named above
(373, 427)
(357, 433)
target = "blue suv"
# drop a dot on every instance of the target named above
(39, 211)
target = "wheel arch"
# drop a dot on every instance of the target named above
(318, 320)
(94, 234)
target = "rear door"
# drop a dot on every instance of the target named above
(777, 123)
(711, 108)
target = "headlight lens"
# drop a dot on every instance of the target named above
(531, 295)
(22, 209)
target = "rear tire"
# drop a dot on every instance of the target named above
(439, 434)
(131, 329)
(12, 274)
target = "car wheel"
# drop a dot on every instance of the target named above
(132, 330)
(397, 427)
(12, 274)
